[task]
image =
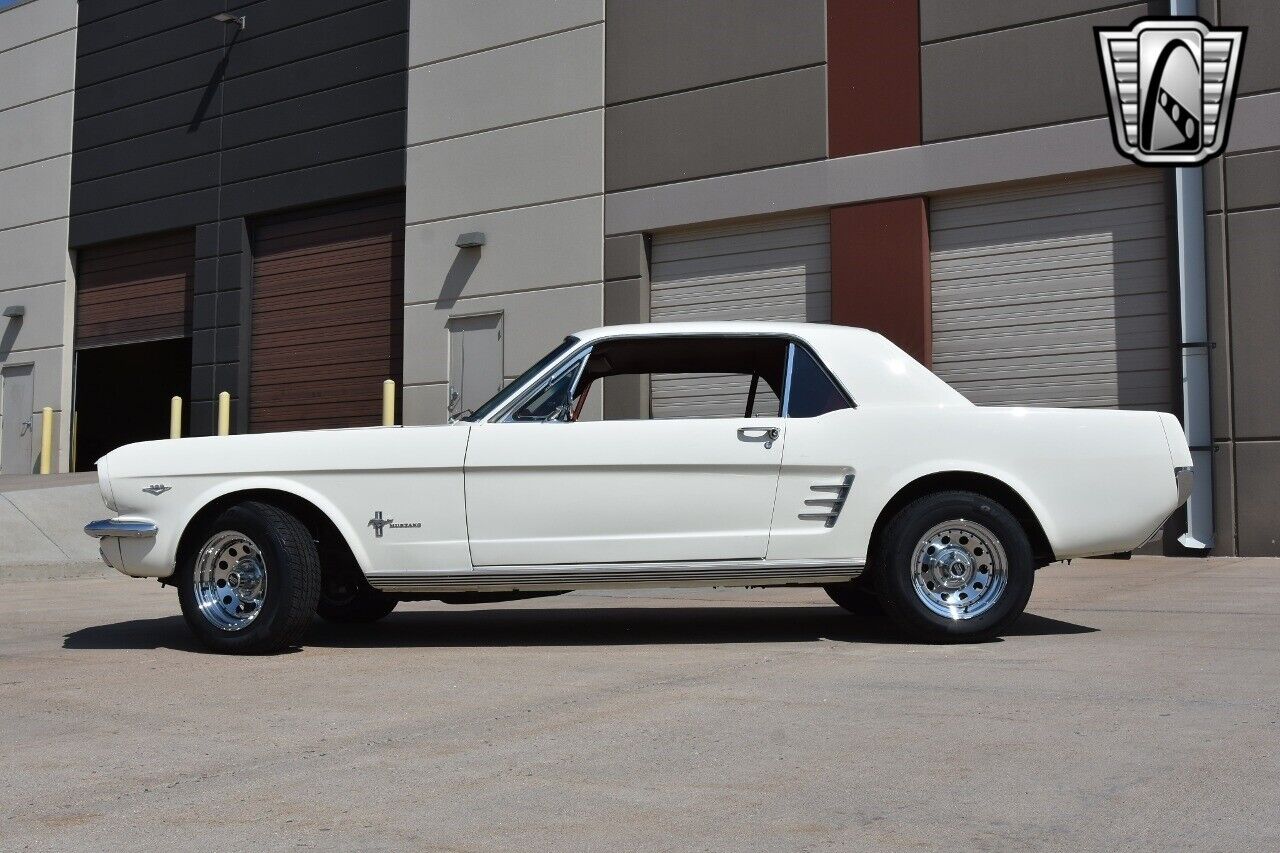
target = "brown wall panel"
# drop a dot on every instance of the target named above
(873, 76)
(328, 303)
(135, 290)
(653, 47)
(1026, 76)
(880, 272)
(750, 124)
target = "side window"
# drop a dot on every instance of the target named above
(812, 392)
(688, 376)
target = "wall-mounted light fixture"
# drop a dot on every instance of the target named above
(15, 311)
(224, 18)
(470, 240)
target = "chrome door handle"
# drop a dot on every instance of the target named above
(769, 434)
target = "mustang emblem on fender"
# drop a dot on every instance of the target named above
(378, 522)
(157, 489)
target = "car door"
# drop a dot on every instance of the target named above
(555, 492)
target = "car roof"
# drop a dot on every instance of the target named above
(724, 327)
(873, 369)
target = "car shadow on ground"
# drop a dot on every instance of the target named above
(571, 626)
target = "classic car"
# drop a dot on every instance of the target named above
(764, 454)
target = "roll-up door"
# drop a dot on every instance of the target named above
(135, 290)
(776, 269)
(328, 314)
(1055, 294)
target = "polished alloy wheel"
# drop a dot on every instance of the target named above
(230, 581)
(959, 569)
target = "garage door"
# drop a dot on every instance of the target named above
(776, 269)
(135, 290)
(1055, 295)
(328, 308)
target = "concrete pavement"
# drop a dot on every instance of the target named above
(1137, 706)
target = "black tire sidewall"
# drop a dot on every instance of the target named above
(275, 625)
(893, 566)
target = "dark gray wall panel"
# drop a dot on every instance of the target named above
(199, 71)
(329, 144)
(1253, 258)
(941, 19)
(102, 35)
(143, 218)
(384, 57)
(177, 143)
(303, 85)
(165, 113)
(308, 112)
(1253, 180)
(1257, 472)
(660, 46)
(969, 85)
(316, 184)
(1261, 69)
(751, 124)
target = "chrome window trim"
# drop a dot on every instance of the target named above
(583, 354)
(785, 409)
(500, 416)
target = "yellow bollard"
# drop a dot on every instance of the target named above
(175, 417)
(46, 441)
(389, 402)
(224, 413)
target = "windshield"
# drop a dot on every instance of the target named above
(499, 399)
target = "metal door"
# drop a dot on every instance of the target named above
(18, 420)
(475, 361)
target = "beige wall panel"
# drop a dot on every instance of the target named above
(526, 248)
(439, 29)
(533, 323)
(535, 163)
(549, 76)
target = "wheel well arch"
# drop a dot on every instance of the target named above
(969, 481)
(336, 556)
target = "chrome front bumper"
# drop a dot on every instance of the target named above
(122, 529)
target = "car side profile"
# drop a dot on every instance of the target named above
(770, 454)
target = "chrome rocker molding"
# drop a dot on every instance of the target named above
(719, 573)
(123, 529)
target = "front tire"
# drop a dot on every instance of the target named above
(251, 587)
(953, 567)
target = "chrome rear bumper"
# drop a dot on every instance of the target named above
(123, 529)
(1185, 478)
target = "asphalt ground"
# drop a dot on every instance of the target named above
(1135, 706)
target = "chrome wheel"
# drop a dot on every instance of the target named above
(230, 581)
(959, 569)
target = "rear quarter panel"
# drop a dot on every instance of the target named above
(1098, 481)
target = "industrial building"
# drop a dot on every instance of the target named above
(294, 201)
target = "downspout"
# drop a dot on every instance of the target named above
(1193, 302)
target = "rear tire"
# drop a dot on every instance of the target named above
(953, 567)
(252, 585)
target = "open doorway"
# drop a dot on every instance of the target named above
(123, 393)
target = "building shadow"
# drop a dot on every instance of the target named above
(11, 326)
(455, 280)
(496, 627)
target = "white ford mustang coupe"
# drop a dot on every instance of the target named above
(772, 454)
